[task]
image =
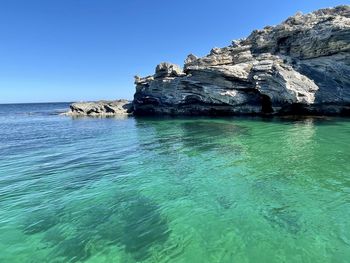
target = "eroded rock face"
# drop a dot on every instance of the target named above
(300, 66)
(101, 108)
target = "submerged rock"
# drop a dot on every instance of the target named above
(73, 249)
(144, 227)
(41, 220)
(284, 218)
(100, 108)
(301, 66)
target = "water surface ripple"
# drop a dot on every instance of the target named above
(172, 190)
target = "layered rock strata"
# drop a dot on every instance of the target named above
(301, 66)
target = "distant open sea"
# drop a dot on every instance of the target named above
(245, 190)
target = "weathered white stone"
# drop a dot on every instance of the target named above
(101, 108)
(302, 63)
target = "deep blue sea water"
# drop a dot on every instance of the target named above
(172, 189)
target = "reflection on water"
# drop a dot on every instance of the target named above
(174, 190)
(193, 137)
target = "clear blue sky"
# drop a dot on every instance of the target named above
(70, 50)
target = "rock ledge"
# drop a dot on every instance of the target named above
(301, 66)
(101, 108)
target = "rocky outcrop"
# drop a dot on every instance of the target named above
(101, 108)
(301, 66)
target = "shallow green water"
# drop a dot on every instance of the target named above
(173, 190)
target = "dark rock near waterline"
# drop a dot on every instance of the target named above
(101, 108)
(301, 66)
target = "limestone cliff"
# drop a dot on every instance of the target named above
(300, 66)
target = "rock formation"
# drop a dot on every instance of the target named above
(301, 66)
(100, 108)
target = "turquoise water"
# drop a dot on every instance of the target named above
(172, 190)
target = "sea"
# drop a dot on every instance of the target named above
(127, 189)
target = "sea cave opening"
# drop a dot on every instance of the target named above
(266, 104)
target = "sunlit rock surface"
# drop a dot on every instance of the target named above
(301, 66)
(100, 108)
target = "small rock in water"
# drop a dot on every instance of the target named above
(101, 108)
